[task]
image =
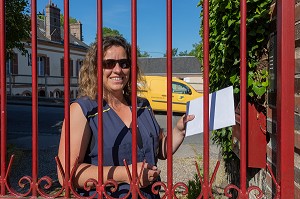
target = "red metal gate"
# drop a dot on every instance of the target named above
(285, 177)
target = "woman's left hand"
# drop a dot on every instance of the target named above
(181, 124)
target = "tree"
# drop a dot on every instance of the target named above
(197, 51)
(17, 25)
(183, 53)
(111, 32)
(108, 32)
(174, 52)
(140, 54)
(71, 20)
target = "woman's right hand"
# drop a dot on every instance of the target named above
(149, 173)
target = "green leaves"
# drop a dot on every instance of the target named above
(224, 44)
(17, 25)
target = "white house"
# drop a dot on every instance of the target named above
(50, 52)
(50, 65)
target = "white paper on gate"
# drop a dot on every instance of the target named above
(221, 111)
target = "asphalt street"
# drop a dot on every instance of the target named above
(19, 125)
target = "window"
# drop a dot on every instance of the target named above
(62, 67)
(78, 66)
(180, 88)
(43, 67)
(12, 65)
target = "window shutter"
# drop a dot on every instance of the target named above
(15, 64)
(47, 70)
(71, 68)
(62, 67)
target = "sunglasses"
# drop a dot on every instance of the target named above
(110, 63)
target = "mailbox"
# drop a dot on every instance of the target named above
(256, 137)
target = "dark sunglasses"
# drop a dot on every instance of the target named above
(110, 63)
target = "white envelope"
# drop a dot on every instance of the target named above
(221, 111)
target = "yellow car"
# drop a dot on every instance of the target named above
(155, 91)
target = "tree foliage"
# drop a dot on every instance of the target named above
(224, 54)
(174, 52)
(142, 53)
(197, 51)
(71, 20)
(224, 43)
(111, 32)
(17, 25)
(193, 52)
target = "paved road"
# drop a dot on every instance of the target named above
(19, 120)
(19, 125)
(50, 118)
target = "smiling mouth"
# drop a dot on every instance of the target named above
(117, 78)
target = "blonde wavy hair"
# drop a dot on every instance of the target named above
(88, 75)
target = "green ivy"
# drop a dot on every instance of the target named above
(224, 54)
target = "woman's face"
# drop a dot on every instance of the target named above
(116, 72)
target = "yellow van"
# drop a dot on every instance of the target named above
(155, 91)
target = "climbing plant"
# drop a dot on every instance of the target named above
(224, 53)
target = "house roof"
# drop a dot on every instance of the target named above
(180, 65)
(41, 35)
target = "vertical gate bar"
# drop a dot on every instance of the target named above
(285, 96)
(100, 96)
(169, 101)
(133, 94)
(243, 100)
(67, 182)
(205, 185)
(3, 96)
(34, 98)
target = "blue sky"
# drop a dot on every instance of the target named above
(151, 20)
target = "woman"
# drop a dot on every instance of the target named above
(117, 119)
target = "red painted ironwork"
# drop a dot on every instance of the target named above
(243, 100)
(205, 185)
(256, 136)
(100, 186)
(34, 98)
(67, 182)
(211, 180)
(243, 191)
(3, 97)
(169, 192)
(21, 183)
(284, 186)
(285, 96)
(277, 195)
(134, 185)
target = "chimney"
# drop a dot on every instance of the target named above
(53, 22)
(76, 30)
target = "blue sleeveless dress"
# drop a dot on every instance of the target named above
(117, 139)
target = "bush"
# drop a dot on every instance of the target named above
(194, 187)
